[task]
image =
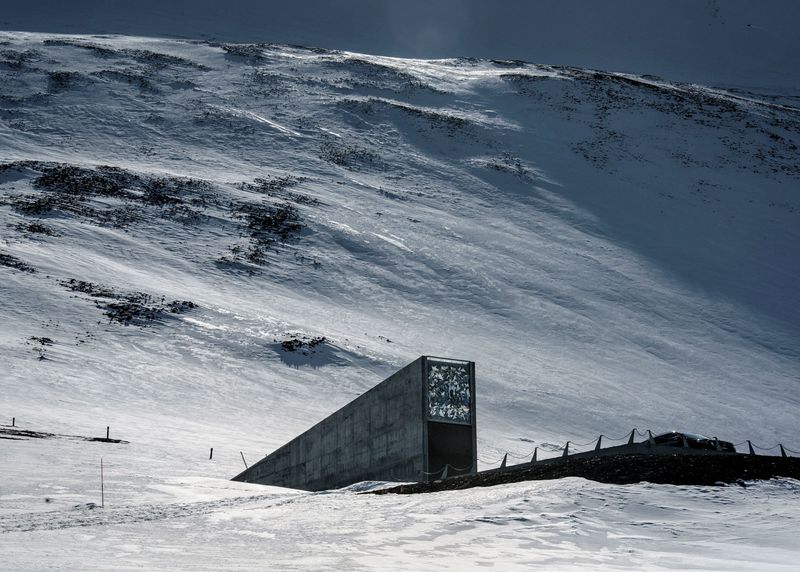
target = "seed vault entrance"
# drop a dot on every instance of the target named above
(410, 427)
(450, 432)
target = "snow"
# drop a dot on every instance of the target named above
(712, 42)
(612, 251)
(569, 524)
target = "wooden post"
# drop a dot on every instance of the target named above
(243, 461)
(13, 421)
(599, 443)
(102, 486)
(108, 430)
(211, 454)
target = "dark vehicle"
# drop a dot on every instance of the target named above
(693, 441)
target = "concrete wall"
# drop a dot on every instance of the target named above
(378, 436)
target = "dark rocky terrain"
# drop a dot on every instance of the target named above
(675, 469)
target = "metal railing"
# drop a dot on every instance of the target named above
(533, 456)
(443, 474)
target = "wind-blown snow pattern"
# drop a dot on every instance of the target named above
(724, 43)
(217, 245)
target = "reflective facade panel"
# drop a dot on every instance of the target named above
(448, 391)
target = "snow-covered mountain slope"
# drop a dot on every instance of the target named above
(612, 250)
(730, 43)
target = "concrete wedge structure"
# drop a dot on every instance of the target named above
(411, 427)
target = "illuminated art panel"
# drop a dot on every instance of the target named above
(449, 392)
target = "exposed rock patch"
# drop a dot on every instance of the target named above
(10, 261)
(137, 308)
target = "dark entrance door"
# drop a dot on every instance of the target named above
(449, 444)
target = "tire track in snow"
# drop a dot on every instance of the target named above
(85, 516)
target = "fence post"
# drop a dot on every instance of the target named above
(503, 464)
(243, 461)
(783, 451)
(650, 438)
(108, 432)
(13, 421)
(102, 486)
(599, 441)
(633, 432)
(535, 450)
(444, 471)
(211, 454)
(750, 446)
(566, 450)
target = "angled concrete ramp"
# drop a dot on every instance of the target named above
(407, 428)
